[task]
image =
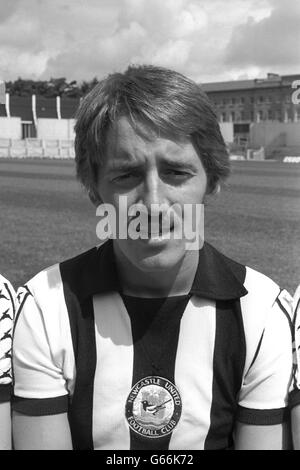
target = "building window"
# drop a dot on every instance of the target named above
(260, 115)
(252, 99)
(224, 101)
(261, 99)
(242, 100)
(223, 117)
(252, 116)
(270, 115)
(232, 100)
(243, 115)
(232, 116)
(28, 130)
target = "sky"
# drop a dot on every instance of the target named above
(207, 40)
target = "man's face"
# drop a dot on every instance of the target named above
(150, 171)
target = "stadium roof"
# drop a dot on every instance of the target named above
(68, 107)
(237, 85)
(20, 106)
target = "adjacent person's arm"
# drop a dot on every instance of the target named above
(5, 426)
(295, 387)
(42, 367)
(41, 432)
(295, 413)
(251, 437)
(7, 313)
(263, 415)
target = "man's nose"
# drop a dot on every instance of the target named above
(153, 190)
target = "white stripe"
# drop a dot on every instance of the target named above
(113, 375)
(194, 374)
(262, 293)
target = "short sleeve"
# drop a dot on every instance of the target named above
(7, 313)
(41, 365)
(295, 385)
(263, 397)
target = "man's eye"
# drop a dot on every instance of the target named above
(177, 173)
(125, 177)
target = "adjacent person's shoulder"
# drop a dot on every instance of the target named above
(296, 301)
(5, 284)
(7, 299)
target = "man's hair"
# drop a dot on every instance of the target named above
(158, 99)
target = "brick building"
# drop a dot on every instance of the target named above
(261, 99)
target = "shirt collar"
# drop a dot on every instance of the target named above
(217, 277)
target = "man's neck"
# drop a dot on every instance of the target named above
(160, 283)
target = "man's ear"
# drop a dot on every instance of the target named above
(212, 188)
(94, 197)
(216, 189)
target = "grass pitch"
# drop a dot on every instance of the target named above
(46, 217)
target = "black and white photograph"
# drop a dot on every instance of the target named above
(149, 227)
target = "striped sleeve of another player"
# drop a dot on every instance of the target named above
(295, 385)
(7, 313)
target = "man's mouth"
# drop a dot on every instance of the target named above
(156, 230)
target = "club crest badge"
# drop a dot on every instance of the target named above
(153, 407)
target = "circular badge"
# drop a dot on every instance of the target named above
(153, 407)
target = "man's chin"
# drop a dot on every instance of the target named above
(151, 258)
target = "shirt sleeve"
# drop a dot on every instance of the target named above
(294, 398)
(263, 398)
(7, 313)
(41, 366)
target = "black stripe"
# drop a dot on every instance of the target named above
(228, 366)
(262, 417)
(286, 314)
(155, 325)
(40, 406)
(257, 350)
(81, 317)
(5, 392)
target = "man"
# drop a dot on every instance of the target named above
(7, 312)
(144, 342)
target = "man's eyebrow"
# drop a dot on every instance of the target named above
(122, 166)
(181, 164)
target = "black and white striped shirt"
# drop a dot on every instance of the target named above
(295, 386)
(7, 312)
(223, 353)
